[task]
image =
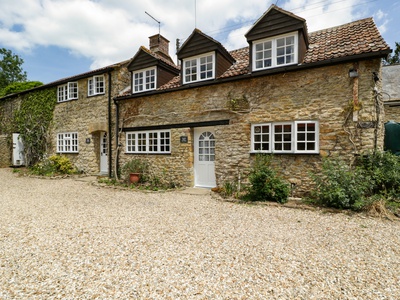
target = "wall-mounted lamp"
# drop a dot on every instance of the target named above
(353, 73)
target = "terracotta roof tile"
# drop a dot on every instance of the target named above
(349, 39)
(359, 37)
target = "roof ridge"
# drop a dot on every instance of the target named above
(343, 25)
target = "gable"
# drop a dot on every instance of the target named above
(275, 22)
(199, 43)
(142, 60)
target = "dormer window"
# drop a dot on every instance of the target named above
(144, 80)
(275, 52)
(199, 68)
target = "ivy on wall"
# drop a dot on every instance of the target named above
(32, 121)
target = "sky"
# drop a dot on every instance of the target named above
(62, 38)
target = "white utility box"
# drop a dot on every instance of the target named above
(18, 151)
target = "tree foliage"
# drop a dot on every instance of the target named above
(17, 87)
(10, 68)
(33, 120)
(395, 58)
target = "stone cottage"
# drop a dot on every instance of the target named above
(82, 118)
(296, 95)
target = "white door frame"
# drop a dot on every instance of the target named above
(204, 157)
(103, 153)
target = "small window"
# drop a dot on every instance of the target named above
(144, 80)
(158, 141)
(283, 137)
(67, 92)
(199, 68)
(275, 52)
(67, 142)
(96, 85)
(287, 137)
(306, 137)
(261, 135)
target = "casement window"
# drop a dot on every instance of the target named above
(144, 80)
(158, 141)
(276, 52)
(68, 91)
(199, 68)
(96, 85)
(285, 137)
(67, 142)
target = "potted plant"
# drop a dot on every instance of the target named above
(134, 169)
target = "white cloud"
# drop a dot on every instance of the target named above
(324, 14)
(108, 31)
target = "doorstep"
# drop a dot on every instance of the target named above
(196, 191)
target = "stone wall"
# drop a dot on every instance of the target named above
(88, 116)
(324, 94)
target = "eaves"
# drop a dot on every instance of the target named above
(61, 81)
(322, 63)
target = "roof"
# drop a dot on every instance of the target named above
(199, 41)
(168, 62)
(361, 37)
(70, 78)
(350, 39)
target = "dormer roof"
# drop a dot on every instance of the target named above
(144, 58)
(200, 43)
(276, 21)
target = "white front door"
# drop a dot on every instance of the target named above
(204, 152)
(103, 153)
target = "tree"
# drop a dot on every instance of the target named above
(395, 58)
(10, 68)
(17, 87)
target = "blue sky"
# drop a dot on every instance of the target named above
(62, 38)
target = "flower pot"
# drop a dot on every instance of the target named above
(134, 177)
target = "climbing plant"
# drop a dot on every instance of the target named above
(33, 120)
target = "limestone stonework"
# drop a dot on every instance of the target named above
(88, 116)
(323, 94)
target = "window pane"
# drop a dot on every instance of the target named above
(280, 42)
(290, 40)
(301, 136)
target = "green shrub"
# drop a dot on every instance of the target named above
(55, 164)
(265, 185)
(384, 170)
(62, 164)
(340, 186)
(135, 166)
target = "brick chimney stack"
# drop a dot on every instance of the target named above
(160, 45)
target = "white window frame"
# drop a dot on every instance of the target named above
(196, 70)
(300, 139)
(96, 85)
(67, 92)
(67, 142)
(274, 52)
(151, 142)
(149, 81)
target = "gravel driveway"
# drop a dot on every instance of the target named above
(68, 239)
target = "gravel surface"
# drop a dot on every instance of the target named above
(68, 239)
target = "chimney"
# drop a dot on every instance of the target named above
(160, 45)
